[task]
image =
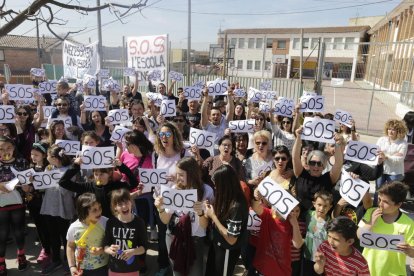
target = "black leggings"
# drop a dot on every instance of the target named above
(39, 220)
(15, 219)
(57, 236)
(163, 259)
(215, 260)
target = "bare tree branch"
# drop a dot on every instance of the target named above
(140, 4)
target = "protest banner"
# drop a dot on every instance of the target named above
(179, 200)
(97, 157)
(79, 59)
(7, 114)
(352, 190)
(381, 241)
(318, 130)
(362, 152)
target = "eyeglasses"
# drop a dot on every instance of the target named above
(259, 119)
(178, 121)
(21, 113)
(315, 163)
(167, 134)
(278, 158)
(61, 104)
(286, 122)
(261, 143)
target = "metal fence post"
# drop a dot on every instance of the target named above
(373, 88)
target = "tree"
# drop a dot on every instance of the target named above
(33, 12)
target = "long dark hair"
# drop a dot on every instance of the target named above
(139, 139)
(228, 191)
(190, 166)
(28, 110)
(59, 153)
(103, 114)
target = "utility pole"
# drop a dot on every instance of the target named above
(225, 62)
(39, 53)
(98, 4)
(301, 61)
(189, 45)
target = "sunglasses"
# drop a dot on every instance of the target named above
(21, 113)
(259, 119)
(261, 143)
(315, 163)
(61, 104)
(278, 158)
(286, 122)
(178, 121)
(167, 134)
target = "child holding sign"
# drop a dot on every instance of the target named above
(387, 219)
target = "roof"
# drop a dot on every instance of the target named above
(345, 29)
(28, 42)
(404, 5)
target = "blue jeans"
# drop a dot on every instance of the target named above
(385, 178)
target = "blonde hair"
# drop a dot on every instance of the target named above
(263, 134)
(398, 125)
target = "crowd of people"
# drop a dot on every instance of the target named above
(101, 216)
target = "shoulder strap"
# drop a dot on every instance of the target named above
(141, 161)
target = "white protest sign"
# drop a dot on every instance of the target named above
(337, 82)
(265, 85)
(110, 84)
(318, 130)
(309, 93)
(199, 84)
(343, 117)
(179, 200)
(312, 104)
(202, 139)
(175, 76)
(278, 197)
(89, 81)
(264, 168)
(352, 190)
(67, 122)
(23, 176)
(155, 75)
(217, 87)
(254, 222)
(79, 60)
(155, 97)
(70, 147)
(97, 157)
(79, 85)
(37, 72)
(94, 103)
(168, 108)
(264, 107)
(103, 73)
(11, 184)
(148, 53)
(129, 72)
(47, 179)
(192, 93)
(269, 95)
(118, 116)
(118, 133)
(48, 110)
(284, 107)
(361, 152)
(381, 241)
(20, 92)
(239, 93)
(7, 115)
(48, 87)
(242, 126)
(152, 178)
(254, 95)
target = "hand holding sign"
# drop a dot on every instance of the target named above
(239, 93)
(343, 117)
(242, 126)
(117, 116)
(284, 107)
(192, 93)
(254, 222)
(37, 72)
(217, 87)
(175, 76)
(202, 139)
(152, 178)
(89, 81)
(168, 108)
(319, 130)
(362, 152)
(47, 179)
(70, 147)
(23, 176)
(352, 190)
(381, 241)
(312, 104)
(254, 95)
(179, 200)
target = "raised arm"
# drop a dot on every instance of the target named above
(133, 183)
(335, 172)
(70, 185)
(297, 164)
(296, 119)
(170, 89)
(230, 105)
(41, 115)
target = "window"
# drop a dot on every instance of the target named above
(314, 42)
(250, 43)
(259, 43)
(337, 45)
(240, 64)
(269, 43)
(249, 65)
(233, 42)
(268, 65)
(2, 55)
(257, 64)
(349, 43)
(296, 43)
(306, 43)
(328, 43)
(241, 42)
(281, 44)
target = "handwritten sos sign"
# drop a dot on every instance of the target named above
(192, 93)
(47, 179)
(168, 108)
(7, 115)
(155, 75)
(352, 190)
(319, 130)
(217, 87)
(264, 107)
(269, 95)
(97, 157)
(242, 126)
(118, 116)
(37, 72)
(48, 110)
(118, 134)
(381, 241)
(175, 76)
(48, 87)
(264, 168)
(199, 84)
(20, 92)
(66, 121)
(89, 81)
(312, 104)
(254, 222)
(278, 197)
(179, 200)
(70, 147)
(284, 107)
(254, 95)
(152, 178)
(343, 117)
(23, 176)
(265, 85)
(129, 72)
(155, 97)
(95, 103)
(239, 93)
(202, 139)
(361, 152)
(103, 73)
(111, 84)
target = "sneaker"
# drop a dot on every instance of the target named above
(163, 271)
(154, 235)
(3, 269)
(51, 267)
(22, 262)
(42, 256)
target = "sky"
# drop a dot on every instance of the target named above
(207, 17)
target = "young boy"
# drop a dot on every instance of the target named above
(389, 220)
(315, 229)
(337, 255)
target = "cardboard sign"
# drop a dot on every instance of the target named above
(168, 108)
(361, 152)
(152, 178)
(47, 179)
(37, 72)
(254, 222)
(118, 134)
(79, 59)
(279, 198)
(175, 76)
(352, 190)
(284, 107)
(48, 87)
(312, 104)
(70, 147)
(97, 157)
(118, 116)
(239, 93)
(20, 92)
(7, 115)
(343, 117)
(94, 103)
(318, 130)
(178, 200)
(254, 95)
(202, 139)
(217, 87)
(23, 176)
(381, 241)
(242, 126)
(192, 93)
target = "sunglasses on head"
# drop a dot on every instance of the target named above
(21, 113)
(261, 143)
(278, 158)
(167, 134)
(315, 163)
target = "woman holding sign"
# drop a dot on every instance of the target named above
(57, 132)
(96, 122)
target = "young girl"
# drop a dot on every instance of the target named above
(58, 208)
(85, 238)
(88, 138)
(125, 236)
(12, 210)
